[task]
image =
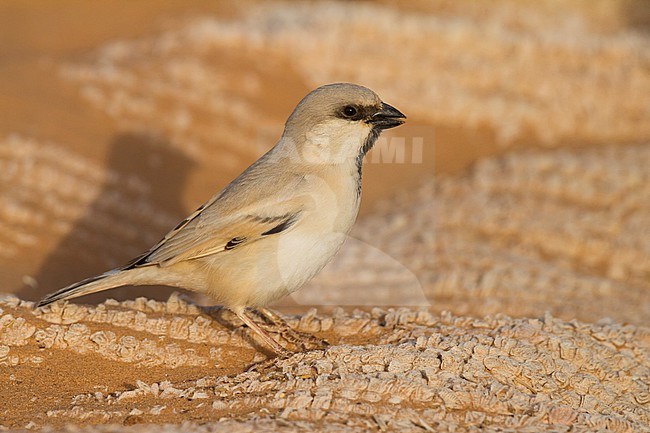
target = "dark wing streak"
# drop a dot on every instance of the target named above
(232, 243)
(249, 235)
(284, 225)
(268, 219)
(286, 222)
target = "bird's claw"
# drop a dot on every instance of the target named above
(273, 322)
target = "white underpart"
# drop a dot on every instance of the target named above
(303, 251)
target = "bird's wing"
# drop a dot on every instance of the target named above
(213, 228)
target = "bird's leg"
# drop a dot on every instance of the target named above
(302, 340)
(274, 345)
(271, 316)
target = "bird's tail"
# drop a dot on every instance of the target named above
(105, 281)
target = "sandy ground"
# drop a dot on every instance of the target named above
(498, 278)
(142, 362)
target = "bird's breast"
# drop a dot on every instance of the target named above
(334, 199)
(302, 254)
(323, 228)
(258, 273)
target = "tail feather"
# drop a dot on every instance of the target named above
(105, 281)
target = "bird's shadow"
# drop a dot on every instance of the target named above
(117, 227)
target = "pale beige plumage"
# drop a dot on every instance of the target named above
(278, 223)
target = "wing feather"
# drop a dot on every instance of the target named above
(211, 230)
(230, 235)
(248, 209)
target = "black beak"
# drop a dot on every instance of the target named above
(387, 117)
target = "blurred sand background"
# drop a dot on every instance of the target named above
(519, 237)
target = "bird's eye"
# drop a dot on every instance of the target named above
(349, 111)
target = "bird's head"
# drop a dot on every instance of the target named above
(337, 123)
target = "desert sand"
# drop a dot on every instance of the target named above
(498, 278)
(144, 362)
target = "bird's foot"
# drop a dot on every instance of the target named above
(273, 322)
(264, 335)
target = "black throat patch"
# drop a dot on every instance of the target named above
(371, 139)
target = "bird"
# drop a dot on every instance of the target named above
(278, 223)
